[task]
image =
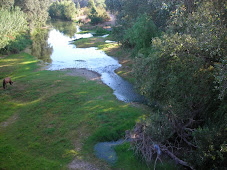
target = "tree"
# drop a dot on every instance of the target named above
(97, 14)
(179, 78)
(91, 4)
(64, 10)
(12, 23)
(36, 10)
(141, 33)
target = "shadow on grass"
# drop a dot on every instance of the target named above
(57, 114)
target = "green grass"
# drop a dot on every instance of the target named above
(84, 32)
(128, 161)
(58, 116)
(89, 42)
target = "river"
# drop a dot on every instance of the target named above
(64, 55)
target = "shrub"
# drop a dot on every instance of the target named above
(141, 33)
(184, 74)
(12, 23)
(20, 43)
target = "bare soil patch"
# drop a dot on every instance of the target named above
(9, 121)
(81, 165)
(89, 75)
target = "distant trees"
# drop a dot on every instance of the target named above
(97, 12)
(84, 3)
(65, 9)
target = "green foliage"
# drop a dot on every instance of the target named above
(36, 10)
(91, 4)
(101, 31)
(221, 78)
(100, 3)
(170, 68)
(65, 10)
(54, 113)
(19, 44)
(128, 161)
(181, 73)
(6, 3)
(12, 24)
(212, 152)
(97, 14)
(141, 33)
(129, 12)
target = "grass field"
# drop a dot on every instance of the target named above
(48, 118)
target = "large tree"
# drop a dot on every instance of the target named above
(36, 10)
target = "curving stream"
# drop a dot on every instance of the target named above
(65, 55)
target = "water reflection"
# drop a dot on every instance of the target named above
(68, 28)
(40, 47)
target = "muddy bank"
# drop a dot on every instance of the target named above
(81, 72)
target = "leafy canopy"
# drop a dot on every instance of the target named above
(12, 23)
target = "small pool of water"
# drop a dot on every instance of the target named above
(105, 151)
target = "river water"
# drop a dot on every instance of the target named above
(66, 55)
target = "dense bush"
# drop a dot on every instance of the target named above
(129, 11)
(19, 44)
(12, 23)
(140, 34)
(63, 10)
(184, 76)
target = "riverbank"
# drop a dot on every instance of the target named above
(57, 117)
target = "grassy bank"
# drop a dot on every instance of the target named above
(48, 118)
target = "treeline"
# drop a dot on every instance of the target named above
(179, 49)
(65, 9)
(68, 9)
(84, 3)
